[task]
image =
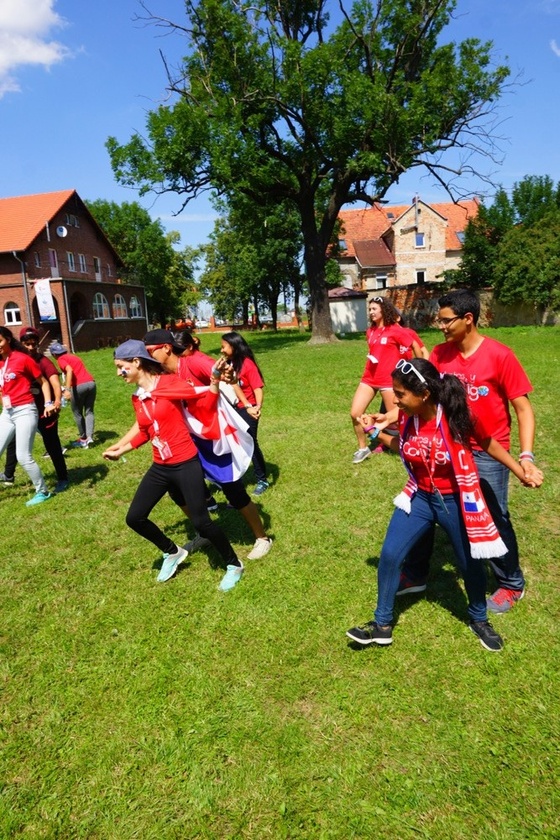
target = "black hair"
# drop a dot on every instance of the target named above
(445, 389)
(241, 351)
(188, 340)
(12, 340)
(461, 301)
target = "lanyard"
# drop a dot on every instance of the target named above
(431, 466)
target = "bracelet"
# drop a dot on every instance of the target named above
(526, 456)
(49, 403)
(369, 428)
(217, 374)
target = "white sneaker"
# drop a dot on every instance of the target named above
(361, 455)
(170, 563)
(262, 546)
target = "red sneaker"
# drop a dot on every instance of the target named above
(410, 587)
(504, 599)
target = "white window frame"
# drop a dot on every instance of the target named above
(101, 311)
(71, 262)
(422, 243)
(37, 258)
(12, 314)
(135, 307)
(119, 307)
(82, 263)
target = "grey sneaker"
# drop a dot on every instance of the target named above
(196, 544)
(262, 546)
(361, 455)
(371, 633)
(487, 636)
(5, 480)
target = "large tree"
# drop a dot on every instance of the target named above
(149, 257)
(275, 103)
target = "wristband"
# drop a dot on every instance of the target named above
(217, 374)
(49, 403)
(526, 456)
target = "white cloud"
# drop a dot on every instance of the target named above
(25, 30)
(555, 48)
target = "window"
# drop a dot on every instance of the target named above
(119, 307)
(135, 307)
(381, 281)
(419, 240)
(100, 307)
(71, 263)
(421, 277)
(461, 236)
(37, 259)
(82, 263)
(12, 315)
(109, 270)
(72, 220)
(97, 268)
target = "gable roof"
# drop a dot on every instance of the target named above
(24, 217)
(373, 252)
(371, 223)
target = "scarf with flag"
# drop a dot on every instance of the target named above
(482, 534)
(225, 458)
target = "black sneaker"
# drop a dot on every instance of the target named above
(211, 504)
(488, 637)
(196, 544)
(371, 633)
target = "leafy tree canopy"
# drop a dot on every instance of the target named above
(275, 103)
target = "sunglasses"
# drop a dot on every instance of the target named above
(407, 367)
(376, 300)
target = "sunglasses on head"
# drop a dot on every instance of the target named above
(376, 300)
(407, 367)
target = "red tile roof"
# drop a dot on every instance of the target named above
(373, 252)
(24, 217)
(370, 223)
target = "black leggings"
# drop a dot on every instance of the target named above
(187, 478)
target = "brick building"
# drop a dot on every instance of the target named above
(385, 246)
(60, 274)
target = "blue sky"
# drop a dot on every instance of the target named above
(73, 73)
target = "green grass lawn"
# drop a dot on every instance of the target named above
(132, 709)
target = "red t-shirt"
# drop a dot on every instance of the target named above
(407, 351)
(387, 345)
(80, 373)
(161, 417)
(195, 368)
(492, 376)
(427, 455)
(17, 372)
(48, 370)
(249, 378)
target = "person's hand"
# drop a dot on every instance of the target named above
(113, 453)
(254, 411)
(49, 409)
(533, 477)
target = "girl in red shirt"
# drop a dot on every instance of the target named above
(387, 343)
(249, 392)
(443, 488)
(19, 416)
(158, 405)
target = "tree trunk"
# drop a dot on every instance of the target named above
(315, 262)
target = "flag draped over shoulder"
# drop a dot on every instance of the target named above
(225, 447)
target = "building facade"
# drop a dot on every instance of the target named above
(60, 274)
(384, 246)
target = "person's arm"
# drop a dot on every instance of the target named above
(54, 382)
(497, 451)
(420, 351)
(114, 452)
(68, 380)
(255, 410)
(526, 426)
(46, 389)
(368, 421)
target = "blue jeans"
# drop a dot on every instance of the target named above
(494, 480)
(402, 534)
(21, 422)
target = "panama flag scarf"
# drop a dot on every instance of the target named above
(226, 457)
(482, 534)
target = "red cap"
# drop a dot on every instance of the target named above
(25, 331)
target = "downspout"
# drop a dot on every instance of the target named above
(25, 289)
(67, 312)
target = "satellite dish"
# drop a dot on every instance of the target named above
(61, 231)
